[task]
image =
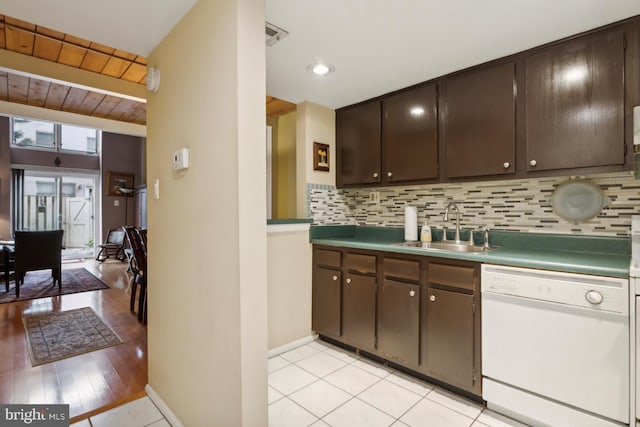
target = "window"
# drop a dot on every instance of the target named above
(68, 189)
(75, 138)
(54, 136)
(32, 133)
(45, 188)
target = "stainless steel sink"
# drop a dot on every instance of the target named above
(445, 246)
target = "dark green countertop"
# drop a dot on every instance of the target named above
(602, 256)
(289, 221)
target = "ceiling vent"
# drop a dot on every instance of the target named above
(273, 34)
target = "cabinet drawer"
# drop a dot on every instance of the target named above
(327, 258)
(360, 262)
(401, 269)
(452, 275)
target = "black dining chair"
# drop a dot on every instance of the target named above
(38, 250)
(139, 267)
(143, 236)
(7, 265)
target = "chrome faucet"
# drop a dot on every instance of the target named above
(446, 218)
(485, 238)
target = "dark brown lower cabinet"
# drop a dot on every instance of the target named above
(449, 338)
(325, 301)
(359, 311)
(399, 322)
(416, 311)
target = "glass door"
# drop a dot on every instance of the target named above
(40, 202)
(62, 201)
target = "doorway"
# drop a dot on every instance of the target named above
(67, 201)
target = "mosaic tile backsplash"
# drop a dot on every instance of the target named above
(515, 205)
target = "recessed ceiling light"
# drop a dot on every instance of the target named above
(320, 69)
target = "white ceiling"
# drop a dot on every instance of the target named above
(376, 46)
(136, 26)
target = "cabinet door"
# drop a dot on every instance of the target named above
(359, 311)
(358, 144)
(478, 122)
(575, 104)
(325, 301)
(399, 321)
(448, 338)
(410, 135)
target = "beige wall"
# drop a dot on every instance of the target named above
(286, 171)
(314, 123)
(273, 122)
(289, 284)
(207, 235)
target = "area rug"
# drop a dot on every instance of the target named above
(39, 284)
(55, 336)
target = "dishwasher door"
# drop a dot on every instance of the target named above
(574, 354)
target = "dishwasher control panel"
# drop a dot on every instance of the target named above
(579, 290)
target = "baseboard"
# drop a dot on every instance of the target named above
(171, 417)
(157, 400)
(106, 408)
(297, 343)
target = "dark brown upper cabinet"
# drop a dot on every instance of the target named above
(410, 135)
(574, 113)
(478, 128)
(358, 144)
(558, 109)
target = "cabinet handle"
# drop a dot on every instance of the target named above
(348, 280)
(375, 174)
(412, 293)
(432, 298)
(335, 277)
(389, 174)
(533, 163)
(506, 165)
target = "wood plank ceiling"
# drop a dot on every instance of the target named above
(51, 45)
(278, 107)
(47, 44)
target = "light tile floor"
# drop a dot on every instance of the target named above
(319, 384)
(137, 413)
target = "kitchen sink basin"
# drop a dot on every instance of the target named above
(445, 246)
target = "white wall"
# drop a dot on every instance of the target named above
(207, 333)
(289, 284)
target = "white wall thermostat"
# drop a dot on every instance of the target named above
(181, 159)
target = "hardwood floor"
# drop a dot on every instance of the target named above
(90, 382)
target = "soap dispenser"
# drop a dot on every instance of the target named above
(425, 232)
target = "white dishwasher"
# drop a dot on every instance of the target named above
(555, 347)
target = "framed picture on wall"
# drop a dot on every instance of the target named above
(119, 184)
(320, 157)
